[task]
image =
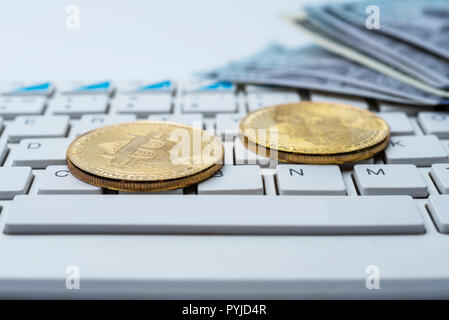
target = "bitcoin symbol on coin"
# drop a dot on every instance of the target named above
(138, 149)
(138, 156)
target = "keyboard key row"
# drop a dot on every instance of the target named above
(227, 123)
(43, 214)
(106, 87)
(292, 179)
(417, 150)
(229, 180)
(370, 180)
(422, 151)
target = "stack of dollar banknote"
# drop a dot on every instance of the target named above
(391, 50)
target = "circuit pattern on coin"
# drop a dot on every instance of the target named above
(145, 151)
(314, 128)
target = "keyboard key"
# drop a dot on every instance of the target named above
(40, 153)
(228, 124)
(309, 180)
(209, 104)
(75, 106)
(14, 181)
(209, 86)
(106, 119)
(393, 107)
(390, 180)
(439, 209)
(398, 122)
(356, 102)
(245, 156)
(264, 99)
(143, 104)
(59, 180)
(25, 127)
(440, 174)
(151, 87)
(11, 107)
(418, 150)
(436, 123)
(234, 180)
(87, 88)
(217, 214)
(90, 121)
(27, 89)
(192, 119)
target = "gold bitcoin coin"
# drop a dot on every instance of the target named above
(314, 132)
(145, 156)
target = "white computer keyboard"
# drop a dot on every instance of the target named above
(255, 229)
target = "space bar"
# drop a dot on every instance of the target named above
(171, 214)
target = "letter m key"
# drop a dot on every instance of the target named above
(380, 171)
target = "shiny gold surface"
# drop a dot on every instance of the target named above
(145, 156)
(314, 132)
(316, 158)
(142, 186)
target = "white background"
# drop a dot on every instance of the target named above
(135, 38)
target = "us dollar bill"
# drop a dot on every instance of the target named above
(298, 64)
(310, 82)
(423, 23)
(409, 59)
(343, 49)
